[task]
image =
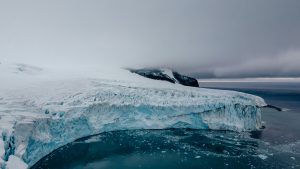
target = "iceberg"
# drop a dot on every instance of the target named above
(44, 114)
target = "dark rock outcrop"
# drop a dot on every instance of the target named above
(185, 80)
(273, 107)
(166, 75)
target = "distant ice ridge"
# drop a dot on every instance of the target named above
(44, 114)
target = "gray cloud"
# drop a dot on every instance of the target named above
(283, 65)
(235, 38)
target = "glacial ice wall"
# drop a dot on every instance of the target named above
(109, 107)
(43, 116)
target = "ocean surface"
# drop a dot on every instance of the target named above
(276, 146)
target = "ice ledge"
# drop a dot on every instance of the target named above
(67, 113)
(48, 134)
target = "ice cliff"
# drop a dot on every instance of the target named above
(43, 110)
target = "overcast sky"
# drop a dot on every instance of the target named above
(241, 38)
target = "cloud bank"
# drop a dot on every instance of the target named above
(209, 38)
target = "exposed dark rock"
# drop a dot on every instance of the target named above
(153, 74)
(273, 107)
(185, 80)
(167, 75)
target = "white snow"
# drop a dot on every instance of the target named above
(170, 74)
(1, 148)
(41, 109)
(15, 163)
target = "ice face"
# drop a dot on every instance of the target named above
(48, 114)
(15, 163)
(110, 107)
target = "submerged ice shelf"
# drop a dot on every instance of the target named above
(38, 117)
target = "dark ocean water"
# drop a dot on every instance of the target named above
(276, 146)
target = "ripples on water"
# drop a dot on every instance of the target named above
(276, 146)
(171, 149)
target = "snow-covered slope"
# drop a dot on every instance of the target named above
(43, 109)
